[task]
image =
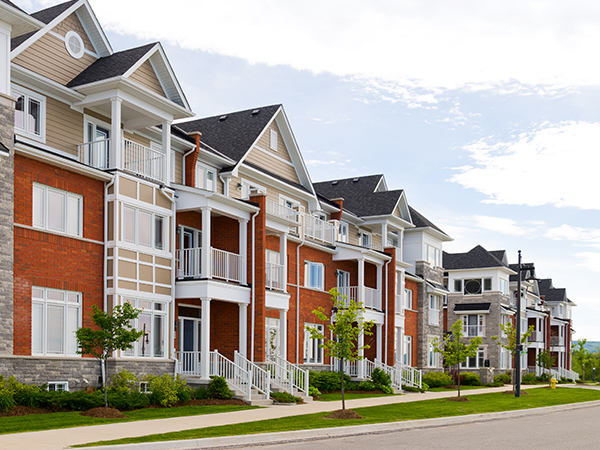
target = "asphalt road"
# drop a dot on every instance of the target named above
(574, 430)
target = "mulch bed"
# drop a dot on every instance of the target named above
(24, 411)
(458, 399)
(104, 413)
(344, 414)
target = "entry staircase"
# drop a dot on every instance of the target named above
(555, 372)
(400, 374)
(246, 378)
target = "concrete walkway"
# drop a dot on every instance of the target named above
(62, 438)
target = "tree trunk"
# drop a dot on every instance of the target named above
(458, 377)
(342, 374)
(104, 368)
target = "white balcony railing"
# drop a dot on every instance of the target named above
(318, 230)
(536, 336)
(275, 276)
(188, 263)
(282, 211)
(556, 341)
(227, 266)
(372, 297)
(473, 330)
(135, 158)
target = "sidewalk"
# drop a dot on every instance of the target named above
(59, 439)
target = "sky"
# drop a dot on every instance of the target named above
(484, 112)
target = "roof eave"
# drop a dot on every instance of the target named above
(20, 21)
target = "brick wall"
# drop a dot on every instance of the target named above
(411, 321)
(53, 261)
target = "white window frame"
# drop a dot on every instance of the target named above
(408, 299)
(136, 228)
(308, 281)
(434, 309)
(312, 347)
(73, 35)
(43, 221)
(481, 283)
(432, 359)
(344, 232)
(152, 311)
(249, 186)
(407, 350)
(272, 340)
(28, 95)
(273, 140)
(56, 385)
(365, 239)
(45, 303)
(206, 172)
(478, 359)
(504, 287)
(480, 325)
(435, 259)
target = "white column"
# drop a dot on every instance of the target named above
(166, 148)
(205, 339)
(205, 251)
(379, 336)
(115, 134)
(283, 333)
(361, 362)
(283, 258)
(243, 326)
(361, 281)
(243, 247)
(384, 232)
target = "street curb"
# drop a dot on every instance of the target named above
(287, 437)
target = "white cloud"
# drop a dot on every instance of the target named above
(570, 233)
(551, 165)
(590, 260)
(501, 225)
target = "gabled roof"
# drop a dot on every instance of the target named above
(111, 66)
(233, 133)
(9, 3)
(476, 258)
(500, 255)
(550, 293)
(49, 14)
(420, 221)
(524, 273)
(360, 195)
(19, 20)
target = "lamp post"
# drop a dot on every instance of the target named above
(519, 346)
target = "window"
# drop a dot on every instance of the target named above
(457, 285)
(504, 289)
(432, 360)
(365, 239)
(153, 322)
(393, 240)
(205, 178)
(473, 325)
(74, 44)
(505, 360)
(272, 336)
(144, 228)
(407, 357)
(249, 187)
(273, 140)
(313, 353)
(30, 114)
(434, 309)
(314, 275)
(434, 256)
(408, 298)
(475, 286)
(56, 210)
(343, 237)
(58, 386)
(474, 362)
(55, 316)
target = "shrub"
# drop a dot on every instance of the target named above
(385, 389)
(424, 387)
(124, 381)
(529, 378)
(503, 378)
(81, 400)
(470, 379)
(313, 391)
(28, 396)
(367, 386)
(543, 377)
(166, 390)
(380, 377)
(218, 388)
(285, 397)
(6, 400)
(126, 401)
(201, 393)
(410, 389)
(328, 381)
(437, 379)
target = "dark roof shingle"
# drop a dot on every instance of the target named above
(550, 293)
(477, 257)
(420, 221)
(49, 14)
(9, 3)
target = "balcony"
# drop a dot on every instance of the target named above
(372, 297)
(275, 276)
(224, 265)
(135, 158)
(318, 230)
(281, 211)
(536, 336)
(556, 341)
(473, 330)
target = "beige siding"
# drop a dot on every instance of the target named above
(72, 23)
(264, 142)
(137, 139)
(353, 235)
(64, 126)
(49, 57)
(146, 193)
(272, 193)
(146, 76)
(178, 168)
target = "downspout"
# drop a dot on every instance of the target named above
(105, 269)
(225, 185)
(387, 322)
(298, 302)
(253, 286)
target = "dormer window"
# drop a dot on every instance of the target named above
(273, 141)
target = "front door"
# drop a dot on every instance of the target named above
(97, 149)
(189, 254)
(343, 284)
(190, 328)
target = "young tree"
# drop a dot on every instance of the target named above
(454, 350)
(545, 360)
(346, 325)
(114, 332)
(581, 355)
(510, 334)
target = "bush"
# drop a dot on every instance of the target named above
(529, 378)
(166, 390)
(380, 377)
(200, 394)
(285, 397)
(328, 381)
(470, 379)
(385, 389)
(367, 386)
(411, 389)
(503, 378)
(424, 387)
(124, 381)
(437, 379)
(313, 391)
(543, 377)
(124, 401)
(218, 388)
(6, 400)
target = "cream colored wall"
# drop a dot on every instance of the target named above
(146, 76)
(49, 57)
(140, 271)
(272, 192)
(72, 23)
(179, 168)
(64, 126)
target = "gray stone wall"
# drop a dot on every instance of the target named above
(6, 226)
(79, 372)
(425, 331)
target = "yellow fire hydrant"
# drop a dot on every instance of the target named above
(553, 383)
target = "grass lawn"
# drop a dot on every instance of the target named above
(462, 388)
(424, 409)
(337, 396)
(38, 422)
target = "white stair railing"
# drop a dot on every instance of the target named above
(143, 160)
(235, 374)
(350, 367)
(297, 376)
(188, 363)
(410, 376)
(259, 378)
(393, 372)
(280, 375)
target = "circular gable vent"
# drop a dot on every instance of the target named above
(74, 44)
